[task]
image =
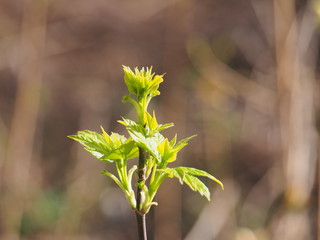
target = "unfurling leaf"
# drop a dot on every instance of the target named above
(152, 125)
(142, 82)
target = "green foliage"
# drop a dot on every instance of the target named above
(107, 148)
(143, 82)
(144, 136)
(187, 175)
(169, 150)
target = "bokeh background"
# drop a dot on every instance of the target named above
(242, 74)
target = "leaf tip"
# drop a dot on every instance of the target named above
(220, 183)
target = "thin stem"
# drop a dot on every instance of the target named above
(142, 228)
(141, 219)
(141, 175)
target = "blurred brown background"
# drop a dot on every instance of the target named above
(242, 74)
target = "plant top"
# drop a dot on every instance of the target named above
(145, 141)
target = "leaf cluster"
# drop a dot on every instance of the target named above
(142, 82)
(145, 135)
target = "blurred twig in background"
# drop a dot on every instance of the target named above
(20, 181)
(294, 35)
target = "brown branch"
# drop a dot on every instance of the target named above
(141, 217)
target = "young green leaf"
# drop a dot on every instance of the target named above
(152, 125)
(198, 172)
(93, 142)
(107, 148)
(184, 142)
(151, 121)
(142, 82)
(139, 134)
(187, 175)
(196, 185)
(169, 150)
(148, 143)
(133, 126)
